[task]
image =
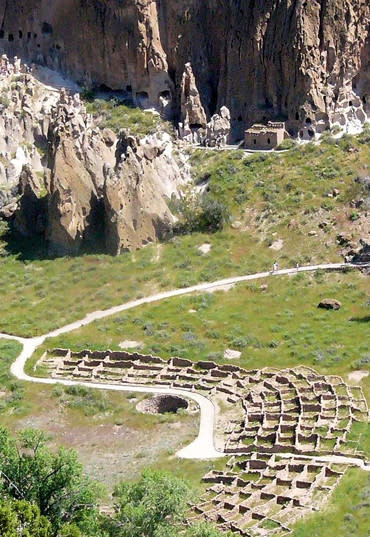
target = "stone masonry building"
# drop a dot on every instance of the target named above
(265, 136)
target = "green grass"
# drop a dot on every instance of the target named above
(11, 391)
(279, 327)
(39, 295)
(347, 513)
(280, 184)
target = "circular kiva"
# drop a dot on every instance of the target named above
(161, 404)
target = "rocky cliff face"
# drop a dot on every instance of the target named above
(137, 190)
(302, 60)
(66, 179)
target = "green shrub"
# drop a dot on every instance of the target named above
(202, 213)
(354, 216)
(288, 143)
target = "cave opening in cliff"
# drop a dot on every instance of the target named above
(94, 238)
(20, 34)
(2, 33)
(46, 28)
(142, 98)
(166, 94)
(10, 38)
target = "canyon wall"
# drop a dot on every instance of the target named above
(304, 61)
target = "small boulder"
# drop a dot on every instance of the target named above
(230, 354)
(330, 304)
(344, 238)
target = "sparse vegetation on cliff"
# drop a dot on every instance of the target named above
(116, 116)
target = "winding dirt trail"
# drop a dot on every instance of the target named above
(203, 446)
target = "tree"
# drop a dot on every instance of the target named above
(200, 212)
(19, 518)
(53, 481)
(151, 507)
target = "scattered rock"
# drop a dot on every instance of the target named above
(218, 129)
(127, 344)
(264, 287)
(205, 248)
(330, 304)
(230, 354)
(192, 311)
(344, 238)
(277, 245)
(363, 255)
(364, 181)
(312, 233)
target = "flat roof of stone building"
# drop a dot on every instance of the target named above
(272, 127)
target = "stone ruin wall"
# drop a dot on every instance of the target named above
(283, 421)
(304, 62)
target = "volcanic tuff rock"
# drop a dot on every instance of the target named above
(137, 190)
(30, 213)
(103, 185)
(192, 111)
(305, 61)
(63, 177)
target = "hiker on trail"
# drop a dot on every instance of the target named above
(298, 267)
(275, 266)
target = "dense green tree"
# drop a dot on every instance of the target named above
(151, 507)
(45, 494)
(53, 481)
(19, 518)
